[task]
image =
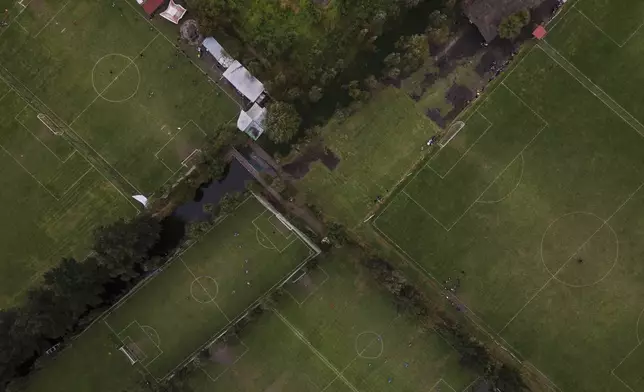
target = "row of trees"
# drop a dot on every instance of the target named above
(73, 293)
(474, 354)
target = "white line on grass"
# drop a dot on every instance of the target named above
(571, 256)
(204, 289)
(136, 208)
(173, 44)
(318, 354)
(51, 19)
(464, 153)
(606, 99)
(606, 34)
(28, 172)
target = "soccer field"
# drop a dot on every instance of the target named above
(332, 330)
(187, 304)
(534, 204)
(180, 309)
(375, 146)
(96, 105)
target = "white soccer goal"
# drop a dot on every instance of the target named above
(190, 158)
(129, 356)
(452, 131)
(51, 125)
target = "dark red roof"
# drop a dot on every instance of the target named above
(539, 32)
(151, 5)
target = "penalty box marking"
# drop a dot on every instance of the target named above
(637, 29)
(267, 238)
(16, 117)
(520, 153)
(317, 287)
(428, 164)
(181, 166)
(638, 346)
(214, 380)
(136, 324)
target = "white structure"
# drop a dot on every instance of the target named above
(251, 122)
(174, 13)
(243, 81)
(141, 199)
(218, 52)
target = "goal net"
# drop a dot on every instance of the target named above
(129, 355)
(50, 124)
(452, 131)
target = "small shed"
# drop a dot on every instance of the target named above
(218, 52)
(243, 81)
(488, 14)
(149, 6)
(540, 32)
(251, 122)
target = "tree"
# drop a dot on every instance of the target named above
(415, 51)
(122, 245)
(282, 122)
(510, 27)
(315, 94)
(80, 285)
(438, 35)
(437, 19)
(230, 201)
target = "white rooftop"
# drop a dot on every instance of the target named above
(243, 81)
(252, 121)
(218, 52)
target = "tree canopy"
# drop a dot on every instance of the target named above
(282, 122)
(510, 27)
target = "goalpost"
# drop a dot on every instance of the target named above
(129, 355)
(50, 124)
(451, 132)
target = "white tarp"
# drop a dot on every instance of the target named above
(243, 81)
(218, 52)
(141, 199)
(251, 122)
(174, 13)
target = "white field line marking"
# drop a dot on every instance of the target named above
(52, 19)
(15, 19)
(559, 16)
(467, 388)
(606, 99)
(622, 381)
(114, 80)
(136, 208)
(513, 189)
(214, 380)
(470, 314)
(317, 287)
(318, 354)
(464, 153)
(626, 357)
(544, 126)
(203, 288)
(28, 172)
(92, 103)
(37, 138)
(191, 61)
(77, 181)
(606, 34)
(21, 26)
(571, 256)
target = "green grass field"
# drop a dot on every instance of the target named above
(376, 146)
(333, 331)
(166, 320)
(95, 105)
(534, 204)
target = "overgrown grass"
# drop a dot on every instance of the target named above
(376, 146)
